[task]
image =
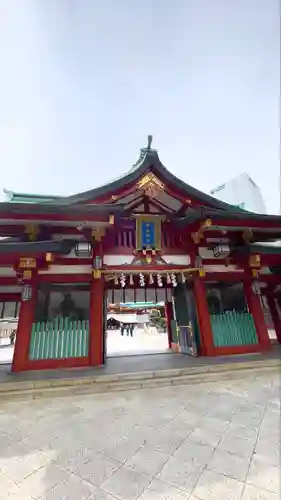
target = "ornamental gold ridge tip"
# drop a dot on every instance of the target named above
(149, 178)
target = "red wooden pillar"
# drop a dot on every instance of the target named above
(206, 334)
(169, 317)
(96, 322)
(275, 315)
(26, 318)
(255, 308)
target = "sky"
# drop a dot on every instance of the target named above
(83, 82)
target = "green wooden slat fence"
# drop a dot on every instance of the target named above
(59, 339)
(233, 328)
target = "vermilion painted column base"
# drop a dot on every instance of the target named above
(96, 322)
(56, 364)
(175, 347)
(26, 318)
(206, 334)
(169, 317)
(238, 349)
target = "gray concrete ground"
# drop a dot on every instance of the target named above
(141, 343)
(212, 441)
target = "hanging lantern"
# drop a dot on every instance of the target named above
(142, 280)
(159, 280)
(151, 280)
(115, 279)
(183, 280)
(174, 280)
(26, 293)
(122, 280)
(83, 249)
(168, 279)
(131, 279)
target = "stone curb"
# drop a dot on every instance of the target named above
(12, 391)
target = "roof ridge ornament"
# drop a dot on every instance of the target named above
(144, 151)
(149, 142)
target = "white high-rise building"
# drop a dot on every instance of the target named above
(241, 192)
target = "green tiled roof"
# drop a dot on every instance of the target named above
(28, 198)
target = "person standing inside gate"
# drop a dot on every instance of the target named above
(132, 326)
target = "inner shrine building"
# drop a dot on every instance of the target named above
(145, 237)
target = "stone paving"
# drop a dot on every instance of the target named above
(141, 342)
(217, 441)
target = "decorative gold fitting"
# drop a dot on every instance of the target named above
(148, 259)
(26, 263)
(97, 274)
(199, 234)
(202, 273)
(49, 257)
(27, 274)
(255, 261)
(111, 219)
(207, 223)
(148, 180)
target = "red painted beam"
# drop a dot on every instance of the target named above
(53, 364)
(55, 217)
(245, 223)
(10, 297)
(236, 349)
(146, 268)
(64, 278)
(8, 281)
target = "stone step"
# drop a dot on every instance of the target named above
(104, 383)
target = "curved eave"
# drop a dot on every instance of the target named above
(37, 247)
(221, 215)
(256, 248)
(28, 198)
(7, 209)
(148, 160)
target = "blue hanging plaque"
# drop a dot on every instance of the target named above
(148, 232)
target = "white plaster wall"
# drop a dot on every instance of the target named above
(7, 271)
(179, 260)
(222, 269)
(117, 260)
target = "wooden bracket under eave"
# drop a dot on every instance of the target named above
(98, 233)
(247, 235)
(32, 231)
(197, 237)
(255, 260)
